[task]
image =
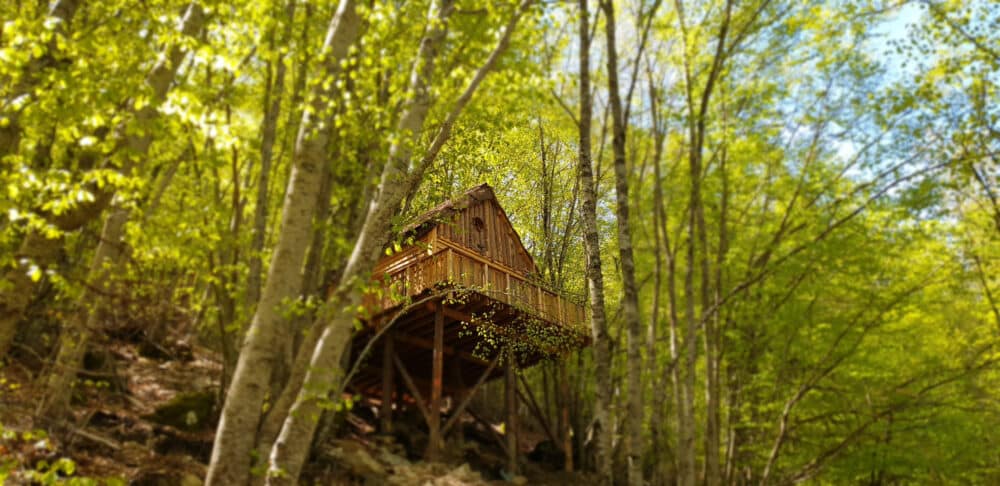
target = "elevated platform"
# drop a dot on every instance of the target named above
(459, 305)
(485, 307)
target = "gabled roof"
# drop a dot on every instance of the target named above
(444, 211)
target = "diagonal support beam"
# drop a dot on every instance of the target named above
(489, 428)
(535, 409)
(408, 380)
(468, 397)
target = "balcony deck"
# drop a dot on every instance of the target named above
(477, 296)
(460, 305)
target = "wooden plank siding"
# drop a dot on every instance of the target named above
(492, 237)
(448, 264)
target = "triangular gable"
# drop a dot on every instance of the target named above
(455, 217)
(517, 236)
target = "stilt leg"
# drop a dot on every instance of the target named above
(567, 429)
(434, 442)
(510, 399)
(458, 396)
(388, 383)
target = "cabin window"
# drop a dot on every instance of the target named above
(479, 237)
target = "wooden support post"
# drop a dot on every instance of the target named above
(434, 442)
(388, 383)
(459, 393)
(567, 428)
(510, 395)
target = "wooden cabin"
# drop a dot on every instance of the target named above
(450, 303)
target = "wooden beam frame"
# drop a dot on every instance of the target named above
(448, 350)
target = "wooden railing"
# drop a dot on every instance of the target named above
(448, 263)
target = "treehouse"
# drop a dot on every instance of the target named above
(458, 303)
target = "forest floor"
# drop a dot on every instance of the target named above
(151, 422)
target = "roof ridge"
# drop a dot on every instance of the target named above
(452, 203)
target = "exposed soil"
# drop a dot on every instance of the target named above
(151, 422)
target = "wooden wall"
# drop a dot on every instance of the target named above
(484, 228)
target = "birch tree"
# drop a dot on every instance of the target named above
(231, 459)
(595, 277)
(630, 300)
(398, 181)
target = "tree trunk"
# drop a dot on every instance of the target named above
(595, 277)
(686, 446)
(685, 422)
(712, 471)
(76, 337)
(657, 425)
(289, 451)
(231, 458)
(228, 274)
(714, 385)
(269, 128)
(290, 369)
(697, 107)
(630, 300)
(399, 179)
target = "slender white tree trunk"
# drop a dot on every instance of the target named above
(241, 413)
(269, 129)
(292, 445)
(630, 299)
(595, 277)
(400, 177)
(657, 424)
(75, 337)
